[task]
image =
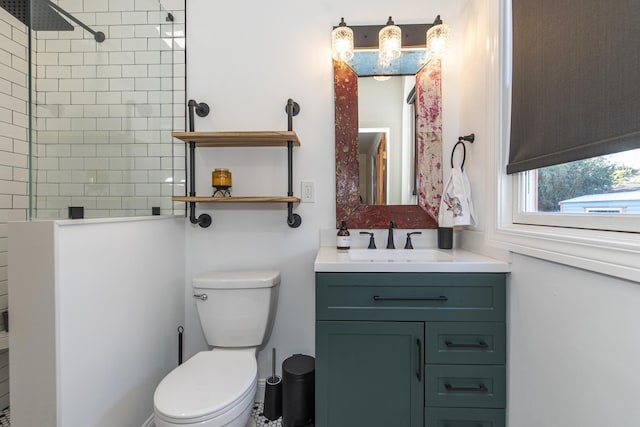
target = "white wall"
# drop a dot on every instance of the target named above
(33, 359)
(245, 60)
(97, 304)
(573, 347)
(477, 108)
(573, 341)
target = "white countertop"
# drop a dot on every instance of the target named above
(330, 259)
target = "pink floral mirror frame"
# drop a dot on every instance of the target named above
(429, 144)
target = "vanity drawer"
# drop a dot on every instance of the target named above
(479, 386)
(479, 343)
(410, 296)
(463, 417)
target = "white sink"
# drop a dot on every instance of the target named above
(399, 255)
(330, 259)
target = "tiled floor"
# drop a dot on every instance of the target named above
(256, 416)
(260, 420)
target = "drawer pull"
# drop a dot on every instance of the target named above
(480, 344)
(480, 389)
(379, 298)
(419, 367)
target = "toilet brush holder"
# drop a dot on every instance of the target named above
(273, 393)
(273, 399)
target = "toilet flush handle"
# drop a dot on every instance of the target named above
(202, 297)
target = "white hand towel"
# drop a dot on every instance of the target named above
(456, 206)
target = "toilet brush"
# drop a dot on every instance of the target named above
(273, 393)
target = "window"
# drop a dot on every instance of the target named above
(599, 185)
(575, 121)
(597, 193)
(604, 242)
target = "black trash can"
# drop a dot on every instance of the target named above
(298, 391)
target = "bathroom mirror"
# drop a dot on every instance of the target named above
(386, 140)
(351, 204)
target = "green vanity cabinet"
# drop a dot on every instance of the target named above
(410, 349)
(371, 373)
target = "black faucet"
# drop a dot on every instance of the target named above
(408, 244)
(372, 242)
(390, 244)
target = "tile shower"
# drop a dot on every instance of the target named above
(87, 123)
(103, 111)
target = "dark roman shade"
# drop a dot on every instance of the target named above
(576, 81)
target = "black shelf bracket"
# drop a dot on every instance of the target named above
(292, 108)
(202, 110)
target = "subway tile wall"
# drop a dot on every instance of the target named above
(104, 111)
(14, 153)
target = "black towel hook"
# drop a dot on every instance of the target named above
(461, 139)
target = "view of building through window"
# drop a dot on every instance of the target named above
(600, 185)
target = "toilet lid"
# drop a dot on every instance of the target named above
(237, 279)
(208, 383)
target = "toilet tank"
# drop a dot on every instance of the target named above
(236, 308)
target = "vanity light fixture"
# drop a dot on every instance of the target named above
(380, 56)
(437, 39)
(342, 42)
(389, 42)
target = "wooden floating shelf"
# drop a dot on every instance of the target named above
(287, 139)
(237, 199)
(239, 139)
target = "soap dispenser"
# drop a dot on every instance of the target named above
(343, 240)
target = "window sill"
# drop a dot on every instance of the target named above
(612, 253)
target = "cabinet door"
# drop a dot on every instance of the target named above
(369, 374)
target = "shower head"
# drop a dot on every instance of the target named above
(46, 16)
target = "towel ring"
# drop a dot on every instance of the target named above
(469, 138)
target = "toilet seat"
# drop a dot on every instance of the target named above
(212, 384)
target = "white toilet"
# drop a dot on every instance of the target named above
(217, 387)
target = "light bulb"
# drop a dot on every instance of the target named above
(390, 42)
(437, 41)
(342, 42)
